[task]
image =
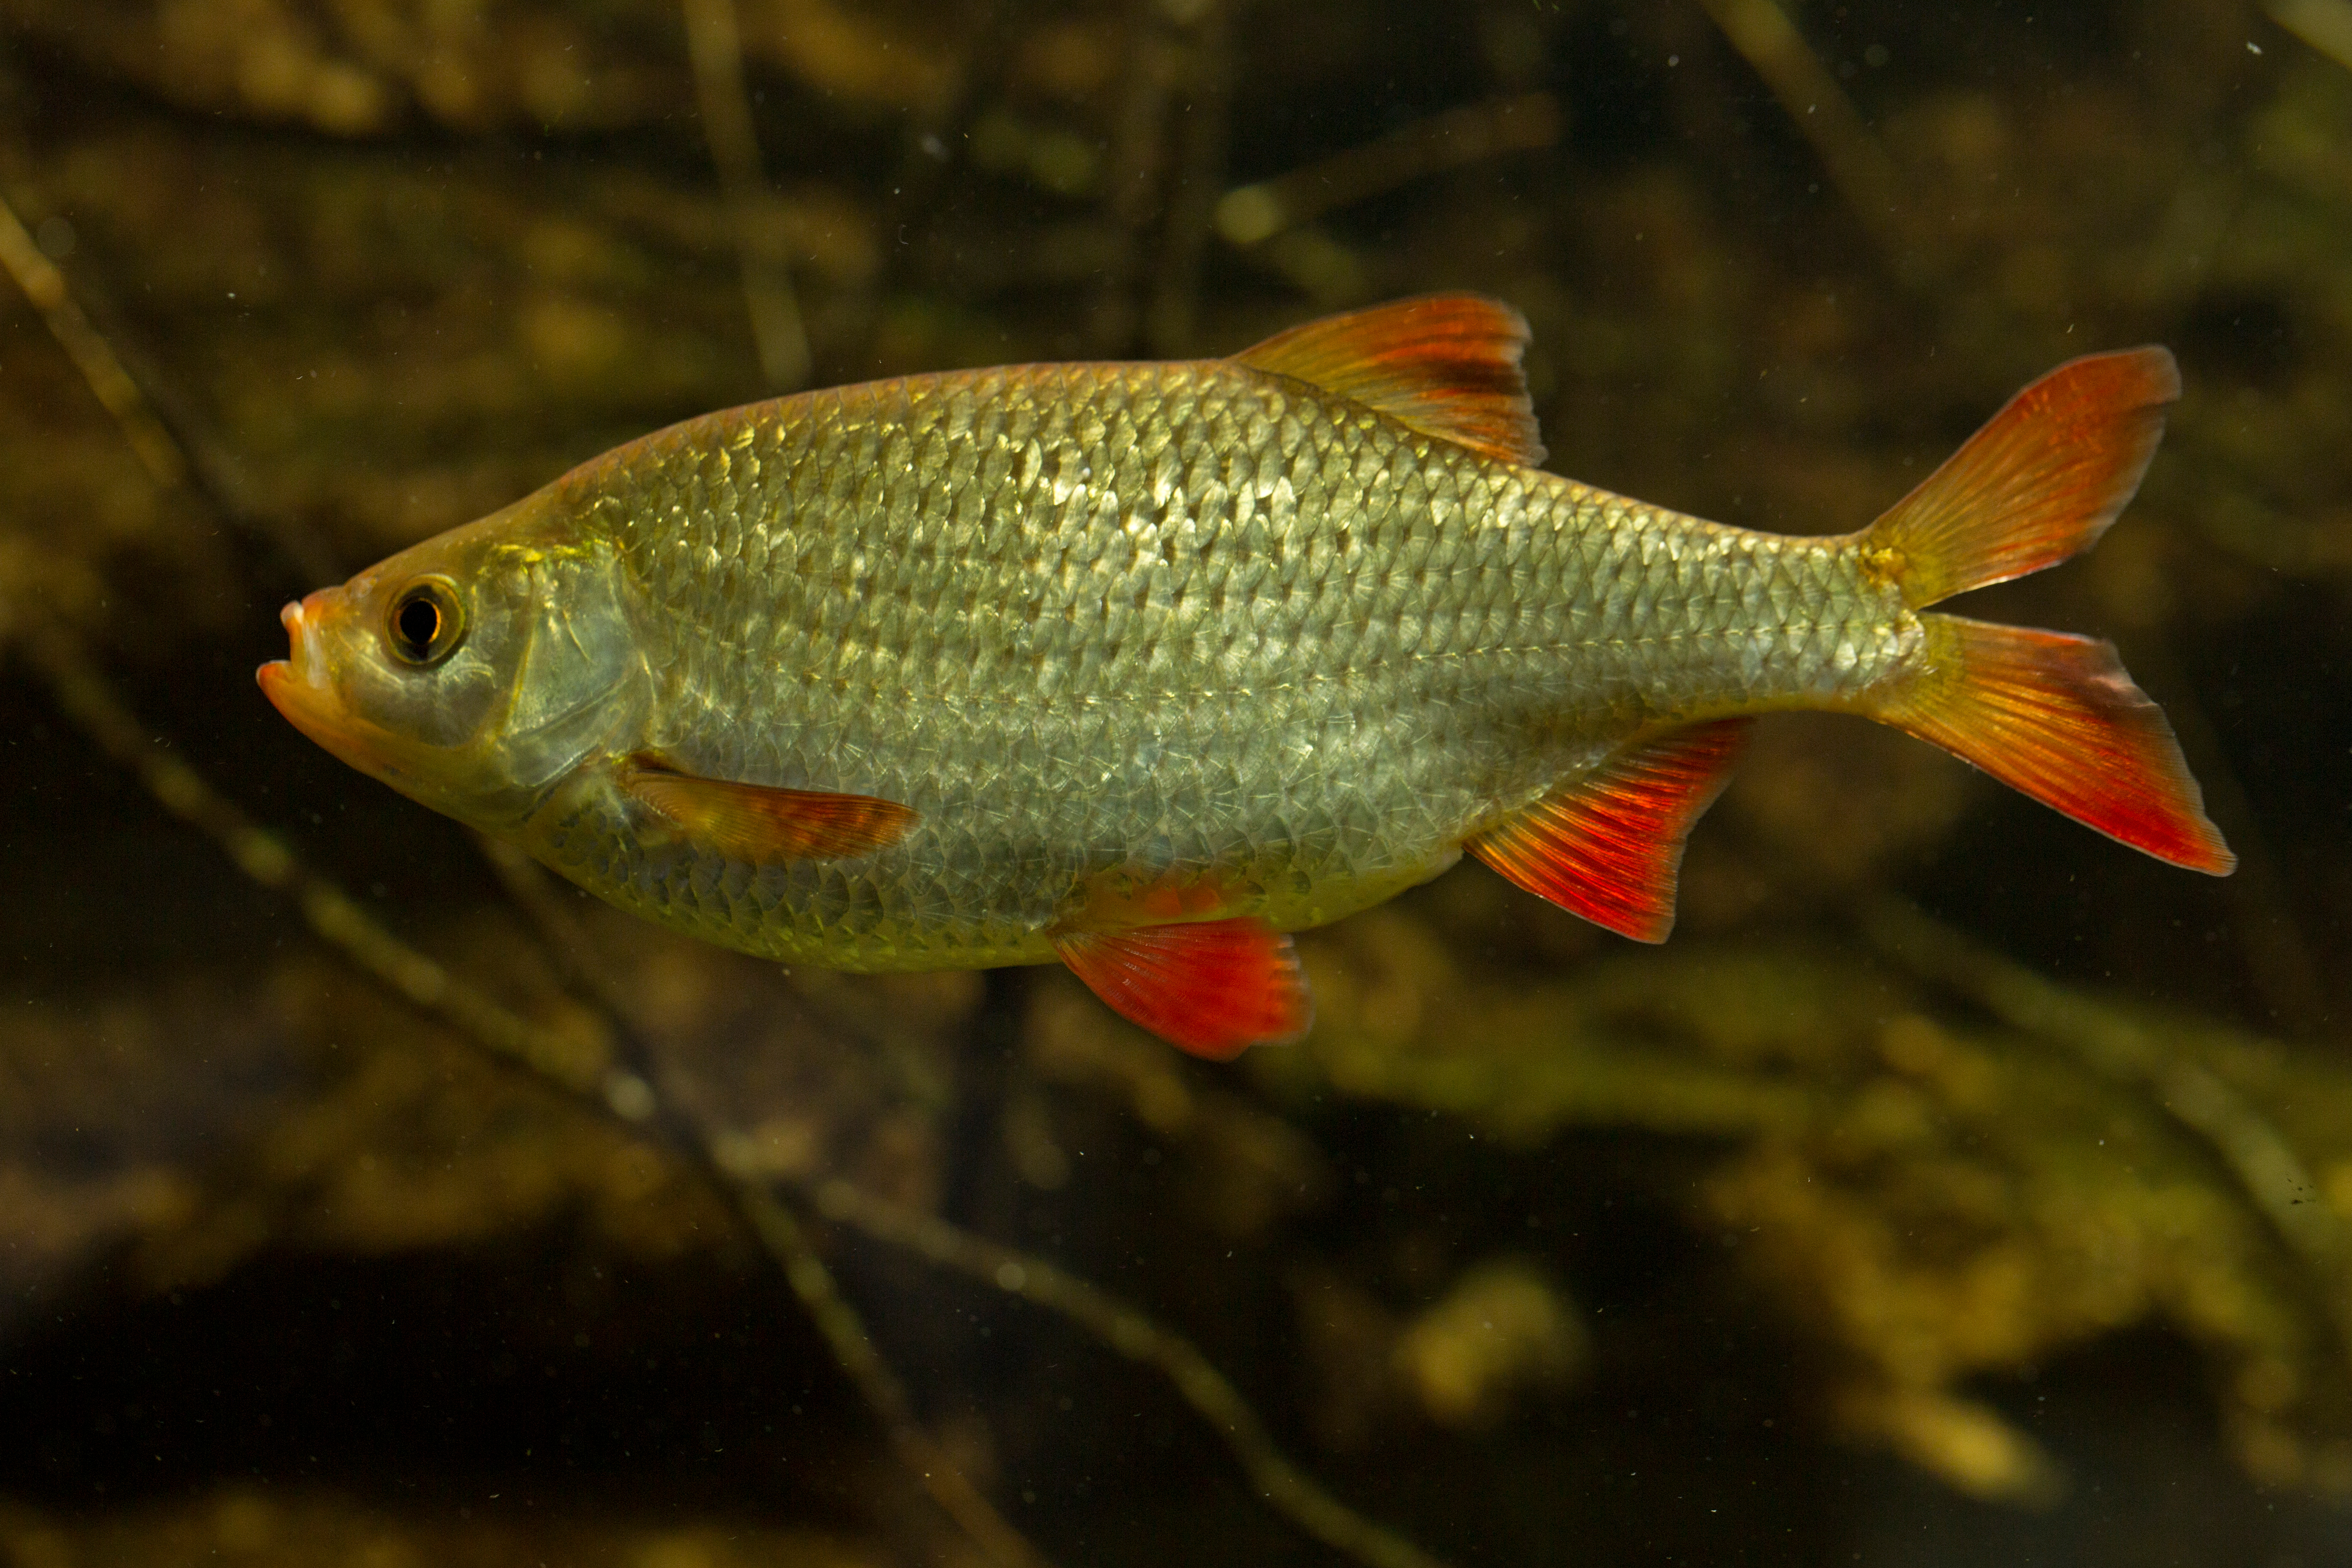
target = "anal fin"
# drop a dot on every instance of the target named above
(1609, 846)
(760, 822)
(1211, 987)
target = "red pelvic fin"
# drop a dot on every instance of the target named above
(1446, 364)
(1609, 846)
(2056, 716)
(760, 823)
(2039, 483)
(1211, 987)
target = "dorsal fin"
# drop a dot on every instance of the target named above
(1446, 364)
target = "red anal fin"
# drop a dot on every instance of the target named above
(760, 823)
(2039, 483)
(1211, 987)
(1609, 846)
(1446, 364)
(2057, 718)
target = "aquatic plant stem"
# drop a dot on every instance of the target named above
(779, 1229)
(617, 1081)
(1171, 318)
(1823, 113)
(714, 44)
(2127, 1048)
(82, 695)
(1279, 1482)
(1251, 214)
(618, 1074)
(1124, 1329)
(179, 462)
(639, 1099)
(580, 1066)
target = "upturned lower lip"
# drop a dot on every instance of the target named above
(299, 687)
(280, 676)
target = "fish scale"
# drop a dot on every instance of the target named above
(1141, 665)
(1266, 476)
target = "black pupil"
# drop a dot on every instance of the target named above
(419, 622)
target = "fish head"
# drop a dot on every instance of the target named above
(471, 672)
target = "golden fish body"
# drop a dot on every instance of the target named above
(1098, 649)
(1149, 619)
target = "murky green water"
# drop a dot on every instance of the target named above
(1958, 1188)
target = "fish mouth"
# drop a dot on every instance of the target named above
(301, 688)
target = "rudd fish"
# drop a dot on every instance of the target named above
(1141, 666)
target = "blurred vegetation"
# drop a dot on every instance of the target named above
(1773, 1243)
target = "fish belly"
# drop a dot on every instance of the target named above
(1160, 623)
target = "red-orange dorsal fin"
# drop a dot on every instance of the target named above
(1211, 987)
(2039, 483)
(1609, 846)
(761, 823)
(1446, 364)
(2056, 716)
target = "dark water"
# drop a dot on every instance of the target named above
(1958, 1188)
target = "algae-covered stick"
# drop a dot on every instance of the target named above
(1142, 665)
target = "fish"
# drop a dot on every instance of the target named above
(1143, 666)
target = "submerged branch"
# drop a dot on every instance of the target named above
(779, 1229)
(1281, 1483)
(566, 942)
(2270, 942)
(83, 695)
(618, 1075)
(178, 462)
(616, 1072)
(1249, 215)
(586, 1068)
(2325, 25)
(777, 331)
(2125, 1048)
(1821, 110)
(45, 287)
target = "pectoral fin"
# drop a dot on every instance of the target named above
(760, 824)
(1609, 846)
(1211, 987)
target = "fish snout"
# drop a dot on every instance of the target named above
(302, 686)
(304, 663)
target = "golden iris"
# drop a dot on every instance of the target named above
(426, 624)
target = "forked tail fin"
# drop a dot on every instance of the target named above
(2051, 715)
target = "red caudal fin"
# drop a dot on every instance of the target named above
(2039, 483)
(1211, 987)
(2051, 715)
(2056, 716)
(1609, 845)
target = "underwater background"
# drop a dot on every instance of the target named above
(1956, 1187)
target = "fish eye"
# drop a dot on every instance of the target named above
(424, 625)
